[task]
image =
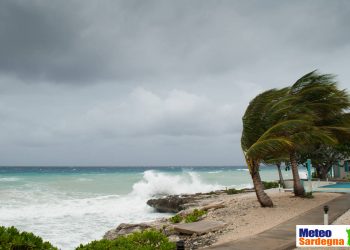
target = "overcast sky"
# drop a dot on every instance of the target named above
(152, 82)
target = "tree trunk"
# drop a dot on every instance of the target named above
(324, 172)
(318, 171)
(298, 188)
(280, 174)
(263, 198)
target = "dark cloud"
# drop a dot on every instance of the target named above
(82, 80)
(86, 42)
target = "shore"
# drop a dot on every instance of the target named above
(242, 215)
(245, 217)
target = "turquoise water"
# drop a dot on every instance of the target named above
(338, 185)
(68, 206)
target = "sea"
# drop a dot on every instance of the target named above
(72, 205)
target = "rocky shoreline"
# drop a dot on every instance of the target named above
(181, 205)
(240, 212)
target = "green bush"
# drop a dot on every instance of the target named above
(194, 216)
(270, 184)
(176, 219)
(308, 195)
(233, 191)
(12, 239)
(146, 240)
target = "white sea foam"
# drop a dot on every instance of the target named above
(55, 216)
(9, 179)
(155, 183)
(243, 169)
(70, 209)
(215, 172)
(68, 218)
(84, 179)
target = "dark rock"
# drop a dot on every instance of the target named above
(172, 203)
(125, 229)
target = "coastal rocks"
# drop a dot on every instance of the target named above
(200, 241)
(199, 227)
(177, 203)
(183, 205)
(171, 204)
(125, 229)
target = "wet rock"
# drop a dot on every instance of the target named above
(172, 203)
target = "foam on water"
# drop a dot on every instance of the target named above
(9, 179)
(155, 184)
(69, 206)
(215, 172)
(69, 218)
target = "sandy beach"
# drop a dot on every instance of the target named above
(242, 215)
(245, 217)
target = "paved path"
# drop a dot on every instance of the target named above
(282, 236)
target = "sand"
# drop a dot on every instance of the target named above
(245, 217)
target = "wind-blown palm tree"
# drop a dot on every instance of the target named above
(256, 120)
(318, 96)
(278, 163)
(280, 122)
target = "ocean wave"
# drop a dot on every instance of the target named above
(9, 179)
(242, 169)
(156, 183)
(215, 172)
(53, 216)
(84, 179)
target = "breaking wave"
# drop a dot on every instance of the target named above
(154, 184)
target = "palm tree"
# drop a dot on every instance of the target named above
(278, 163)
(318, 96)
(256, 121)
(289, 120)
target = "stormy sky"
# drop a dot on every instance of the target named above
(152, 82)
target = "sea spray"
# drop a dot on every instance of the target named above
(155, 184)
(69, 207)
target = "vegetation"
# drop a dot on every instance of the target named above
(323, 157)
(176, 219)
(270, 184)
(12, 239)
(146, 240)
(281, 180)
(233, 191)
(308, 195)
(194, 216)
(289, 122)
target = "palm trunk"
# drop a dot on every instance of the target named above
(298, 188)
(263, 198)
(324, 172)
(280, 174)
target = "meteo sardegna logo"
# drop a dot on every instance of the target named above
(323, 236)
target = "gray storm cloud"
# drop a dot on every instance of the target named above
(152, 82)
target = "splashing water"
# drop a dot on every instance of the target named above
(69, 207)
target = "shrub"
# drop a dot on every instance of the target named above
(176, 219)
(233, 191)
(308, 195)
(12, 239)
(194, 216)
(270, 184)
(146, 240)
